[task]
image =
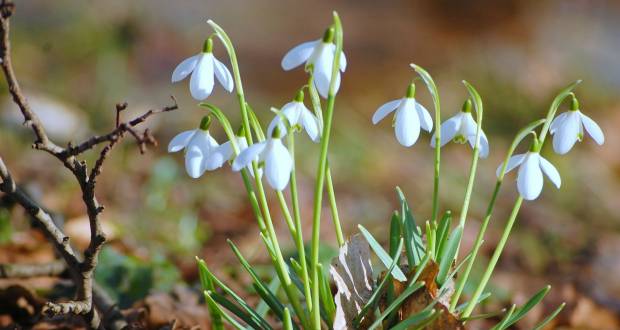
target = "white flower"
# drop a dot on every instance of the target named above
(226, 152)
(297, 114)
(568, 127)
(277, 159)
(200, 151)
(462, 128)
(319, 54)
(530, 177)
(203, 67)
(409, 118)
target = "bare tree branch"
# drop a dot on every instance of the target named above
(81, 270)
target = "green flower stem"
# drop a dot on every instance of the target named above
(480, 237)
(287, 215)
(316, 105)
(334, 207)
(322, 166)
(498, 251)
(432, 88)
(299, 242)
(281, 267)
(279, 260)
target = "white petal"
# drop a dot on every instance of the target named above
(407, 124)
(551, 172)
(513, 162)
(310, 124)
(278, 165)
(567, 133)
(385, 110)
(530, 180)
(225, 150)
(322, 81)
(593, 129)
(323, 71)
(448, 130)
(484, 145)
(468, 124)
(201, 83)
(194, 157)
(223, 75)
(557, 122)
(246, 157)
(298, 55)
(343, 61)
(426, 122)
(185, 68)
(180, 141)
(292, 111)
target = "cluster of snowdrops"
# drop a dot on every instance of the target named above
(299, 294)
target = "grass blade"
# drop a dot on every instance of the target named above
(522, 311)
(383, 256)
(544, 322)
(445, 260)
(397, 302)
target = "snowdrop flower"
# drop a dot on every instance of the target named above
(409, 118)
(568, 127)
(277, 159)
(461, 128)
(226, 152)
(530, 176)
(203, 67)
(297, 115)
(319, 54)
(200, 147)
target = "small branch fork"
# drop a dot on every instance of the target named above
(80, 268)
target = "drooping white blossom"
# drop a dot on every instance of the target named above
(297, 115)
(409, 118)
(461, 128)
(320, 55)
(200, 150)
(568, 128)
(276, 157)
(203, 68)
(530, 176)
(226, 151)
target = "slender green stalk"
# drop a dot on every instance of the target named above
(485, 222)
(432, 88)
(334, 207)
(316, 105)
(318, 191)
(287, 215)
(270, 232)
(498, 251)
(299, 242)
(474, 162)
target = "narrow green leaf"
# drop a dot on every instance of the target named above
(394, 232)
(261, 288)
(255, 123)
(207, 285)
(548, 319)
(397, 302)
(245, 316)
(376, 294)
(443, 231)
(414, 320)
(428, 320)
(462, 306)
(505, 320)
(263, 307)
(445, 261)
(522, 311)
(414, 247)
(328, 307)
(288, 323)
(383, 256)
(484, 316)
(228, 318)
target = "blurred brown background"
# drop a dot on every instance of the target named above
(77, 59)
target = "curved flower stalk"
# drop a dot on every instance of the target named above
(318, 55)
(201, 150)
(203, 67)
(567, 128)
(530, 177)
(409, 118)
(298, 116)
(277, 159)
(461, 128)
